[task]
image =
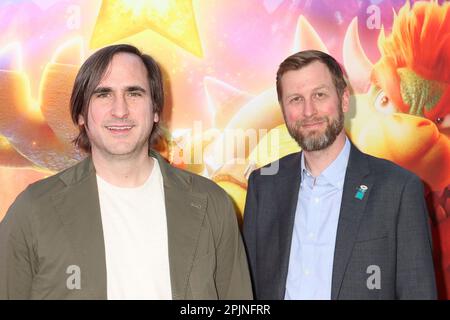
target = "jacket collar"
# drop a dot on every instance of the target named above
(78, 207)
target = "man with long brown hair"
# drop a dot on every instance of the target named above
(121, 224)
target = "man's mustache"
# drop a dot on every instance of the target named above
(310, 121)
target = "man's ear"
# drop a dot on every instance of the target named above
(346, 100)
(81, 120)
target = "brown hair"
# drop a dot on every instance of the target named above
(90, 75)
(302, 59)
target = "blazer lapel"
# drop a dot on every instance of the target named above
(352, 209)
(287, 184)
(78, 207)
(185, 212)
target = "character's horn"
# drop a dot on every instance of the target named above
(356, 63)
(306, 37)
(11, 57)
(223, 100)
(70, 52)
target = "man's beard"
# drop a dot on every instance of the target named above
(314, 141)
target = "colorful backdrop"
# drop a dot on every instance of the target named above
(219, 59)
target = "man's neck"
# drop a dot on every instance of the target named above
(317, 161)
(123, 172)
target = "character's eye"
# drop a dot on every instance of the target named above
(443, 122)
(384, 104)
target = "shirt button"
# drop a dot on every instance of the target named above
(311, 235)
(306, 272)
(316, 200)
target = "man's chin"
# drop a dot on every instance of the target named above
(313, 143)
(119, 151)
(311, 136)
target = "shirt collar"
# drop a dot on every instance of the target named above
(335, 172)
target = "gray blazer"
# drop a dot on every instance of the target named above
(56, 223)
(387, 228)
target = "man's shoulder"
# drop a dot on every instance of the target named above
(285, 165)
(219, 203)
(35, 197)
(198, 183)
(386, 169)
(52, 184)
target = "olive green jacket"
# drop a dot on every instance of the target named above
(53, 233)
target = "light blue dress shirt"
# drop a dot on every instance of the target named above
(315, 227)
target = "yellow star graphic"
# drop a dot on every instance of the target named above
(173, 19)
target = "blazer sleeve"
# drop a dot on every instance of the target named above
(415, 271)
(232, 275)
(16, 250)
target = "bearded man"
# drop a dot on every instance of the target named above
(333, 222)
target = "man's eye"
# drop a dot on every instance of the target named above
(319, 95)
(295, 99)
(135, 94)
(102, 95)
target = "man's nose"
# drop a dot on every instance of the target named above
(120, 108)
(309, 108)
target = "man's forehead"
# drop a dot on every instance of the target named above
(307, 84)
(124, 61)
(314, 70)
(125, 56)
(113, 79)
(308, 77)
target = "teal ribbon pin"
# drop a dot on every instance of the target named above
(360, 192)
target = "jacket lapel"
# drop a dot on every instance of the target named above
(185, 212)
(79, 210)
(352, 210)
(287, 186)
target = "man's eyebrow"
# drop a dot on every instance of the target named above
(292, 95)
(102, 90)
(324, 86)
(135, 88)
(319, 87)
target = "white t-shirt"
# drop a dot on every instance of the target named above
(135, 234)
